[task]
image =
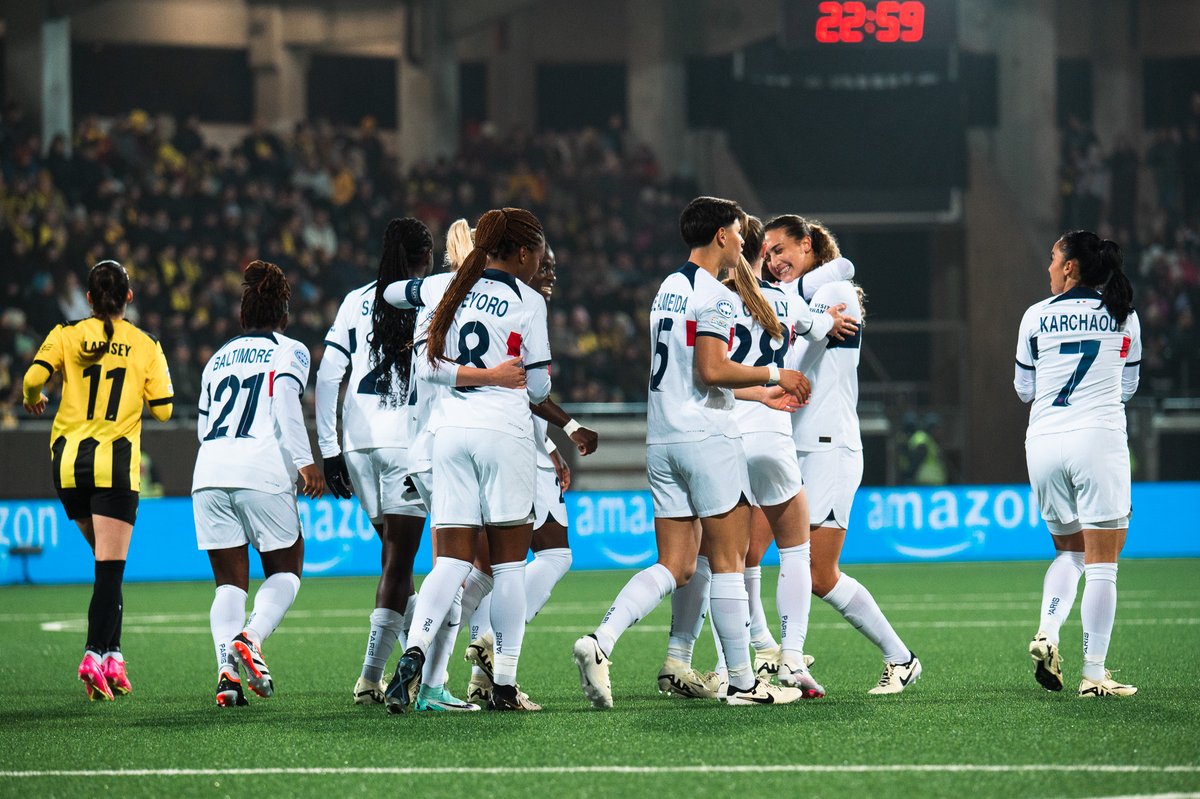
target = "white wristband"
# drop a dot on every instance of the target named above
(571, 426)
(773, 374)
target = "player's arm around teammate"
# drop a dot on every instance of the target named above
(695, 463)
(253, 447)
(110, 370)
(483, 455)
(1077, 362)
(828, 441)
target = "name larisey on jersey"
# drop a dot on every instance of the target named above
(487, 303)
(240, 356)
(115, 348)
(670, 303)
(1079, 322)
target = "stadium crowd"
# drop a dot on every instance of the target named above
(185, 218)
(1158, 229)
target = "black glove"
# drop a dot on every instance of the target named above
(337, 478)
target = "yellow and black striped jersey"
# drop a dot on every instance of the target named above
(96, 438)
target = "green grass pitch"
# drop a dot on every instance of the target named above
(976, 723)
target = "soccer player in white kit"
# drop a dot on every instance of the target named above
(551, 549)
(483, 452)
(695, 463)
(253, 444)
(762, 418)
(1077, 361)
(370, 346)
(828, 442)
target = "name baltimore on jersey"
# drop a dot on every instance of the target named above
(244, 355)
(1079, 322)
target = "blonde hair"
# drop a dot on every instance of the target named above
(745, 283)
(460, 240)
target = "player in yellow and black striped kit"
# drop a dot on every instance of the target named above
(110, 369)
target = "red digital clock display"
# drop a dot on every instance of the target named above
(887, 22)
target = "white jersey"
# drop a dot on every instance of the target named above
(501, 318)
(368, 420)
(423, 395)
(681, 407)
(541, 443)
(753, 346)
(247, 438)
(1082, 362)
(830, 419)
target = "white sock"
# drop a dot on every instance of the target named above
(481, 619)
(477, 586)
(760, 631)
(1058, 592)
(508, 620)
(730, 608)
(1097, 610)
(438, 657)
(689, 604)
(721, 668)
(642, 594)
(387, 629)
(547, 568)
(406, 621)
(271, 602)
(852, 599)
(794, 598)
(438, 591)
(225, 619)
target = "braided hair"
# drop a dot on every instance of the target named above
(1100, 264)
(406, 243)
(265, 295)
(108, 285)
(498, 234)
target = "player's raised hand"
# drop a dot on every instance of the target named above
(313, 484)
(337, 477)
(796, 384)
(843, 324)
(39, 407)
(510, 374)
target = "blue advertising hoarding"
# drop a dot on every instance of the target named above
(614, 530)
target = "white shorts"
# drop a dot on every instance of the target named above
(697, 478)
(774, 470)
(1081, 479)
(421, 493)
(483, 477)
(232, 517)
(550, 502)
(831, 476)
(377, 475)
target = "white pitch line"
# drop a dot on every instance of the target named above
(915, 768)
(1152, 796)
(79, 625)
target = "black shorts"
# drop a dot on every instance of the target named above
(82, 503)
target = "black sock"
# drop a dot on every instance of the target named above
(114, 643)
(104, 613)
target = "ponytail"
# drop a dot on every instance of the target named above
(1118, 291)
(745, 283)
(498, 234)
(824, 244)
(1100, 265)
(265, 295)
(405, 242)
(108, 284)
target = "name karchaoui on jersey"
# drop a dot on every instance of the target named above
(368, 420)
(501, 318)
(241, 445)
(830, 419)
(754, 346)
(690, 303)
(1077, 352)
